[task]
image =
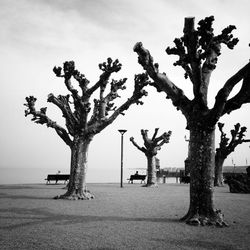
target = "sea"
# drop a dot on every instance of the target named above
(94, 175)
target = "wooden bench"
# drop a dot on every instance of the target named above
(137, 177)
(57, 177)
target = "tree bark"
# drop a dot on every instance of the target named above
(151, 180)
(218, 174)
(201, 209)
(77, 188)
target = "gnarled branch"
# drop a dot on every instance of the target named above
(141, 80)
(137, 146)
(161, 81)
(227, 146)
(242, 97)
(154, 144)
(108, 68)
(40, 117)
(62, 102)
(222, 105)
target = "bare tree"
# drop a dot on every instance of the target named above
(150, 149)
(75, 107)
(226, 148)
(198, 51)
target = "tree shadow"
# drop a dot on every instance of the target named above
(43, 215)
(23, 186)
(31, 197)
(25, 197)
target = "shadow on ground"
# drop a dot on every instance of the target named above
(42, 215)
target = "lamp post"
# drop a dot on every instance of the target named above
(122, 131)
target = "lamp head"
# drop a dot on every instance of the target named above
(122, 131)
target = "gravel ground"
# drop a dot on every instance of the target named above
(132, 217)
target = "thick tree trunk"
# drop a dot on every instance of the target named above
(201, 208)
(218, 173)
(77, 188)
(152, 179)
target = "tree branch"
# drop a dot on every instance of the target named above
(222, 106)
(197, 46)
(154, 144)
(69, 71)
(161, 81)
(144, 133)
(164, 138)
(155, 133)
(242, 97)
(82, 81)
(141, 80)
(237, 135)
(137, 146)
(107, 68)
(40, 117)
(62, 102)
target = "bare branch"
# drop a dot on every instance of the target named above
(82, 81)
(197, 46)
(161, 81)
(137, 146)
(237, 137)
(141, 80)
(62, 102)
(40, 117)
(242, 97)
(223, 106)
(155, 133)
(154, 144)
(144, 133)
(108, 68)
(164, 138)
(69, 71)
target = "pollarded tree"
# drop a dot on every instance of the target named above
(75, 107)
(226, 148)
(150, 149)
(198, 51)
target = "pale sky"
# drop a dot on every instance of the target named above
(36, 35)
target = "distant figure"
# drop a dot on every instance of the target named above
(58, 172)
(136, 173)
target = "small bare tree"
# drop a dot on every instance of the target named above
(226, 148)
(198, 51)
(75, 107)
(150, 149)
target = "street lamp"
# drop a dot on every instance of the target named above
(122, 131)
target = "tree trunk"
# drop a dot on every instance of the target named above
(77, 188)
(152, 179)
(218, 174)
(201, 208)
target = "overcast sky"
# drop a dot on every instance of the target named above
(36, 35)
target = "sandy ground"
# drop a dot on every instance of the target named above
(132, 217)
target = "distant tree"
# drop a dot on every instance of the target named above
(75, 107)
(198, 51)
(150, 149)
(226, 148)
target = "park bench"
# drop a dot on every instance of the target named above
(137, 177)
(57, 177)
